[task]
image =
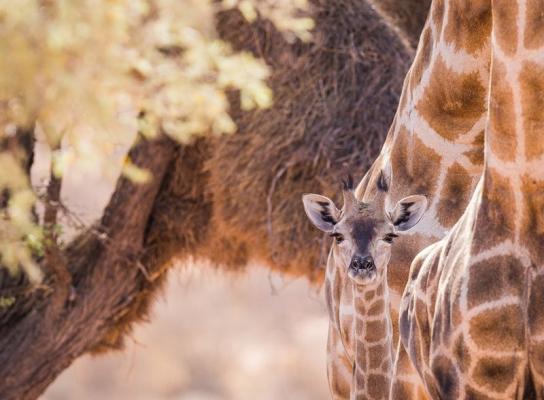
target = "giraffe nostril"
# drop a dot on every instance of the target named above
(356, 263)
(359, 263)
(368, 263)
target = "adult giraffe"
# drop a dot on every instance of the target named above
(472, 318)
(434, 147)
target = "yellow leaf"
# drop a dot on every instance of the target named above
(247, 10)
(135, 173)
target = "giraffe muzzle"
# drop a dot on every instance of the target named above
(362, 270)
(362, 264)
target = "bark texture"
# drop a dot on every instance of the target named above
(40, 343)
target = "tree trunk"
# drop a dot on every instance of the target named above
(39, 345)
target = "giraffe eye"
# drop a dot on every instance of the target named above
(338, 237)
(389, 237)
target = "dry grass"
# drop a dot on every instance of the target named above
(335, 99)
(406, 16)
(234, 200)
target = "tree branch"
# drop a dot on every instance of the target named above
(21, 145)
(104, 277)
(55, 260)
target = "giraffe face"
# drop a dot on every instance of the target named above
(362, 244)
(363, 232)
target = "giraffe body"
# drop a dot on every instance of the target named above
(434, 147)
(472, 313)
(435, 143)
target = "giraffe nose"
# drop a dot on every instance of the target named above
(359, 263)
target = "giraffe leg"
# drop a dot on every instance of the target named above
(535, 324)
(406, 383)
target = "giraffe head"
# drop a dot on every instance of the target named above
(363, 231)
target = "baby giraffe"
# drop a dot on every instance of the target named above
(359, 348)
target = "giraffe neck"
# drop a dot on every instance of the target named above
(477, 293)
(436, 143)
(513, 184)
(373, 342)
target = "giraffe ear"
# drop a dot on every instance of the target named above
(383, 182)
(408, 212)
(321, 211)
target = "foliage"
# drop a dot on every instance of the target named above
(87, 74)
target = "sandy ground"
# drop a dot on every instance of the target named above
(212, 336)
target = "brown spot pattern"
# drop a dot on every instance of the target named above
(377, 386)
(454, 196)
(534, 25)
(375, 331)
(377, 308)
(404, 363)
(532, 102)
(535, 316)
(437, 13)
(375, 359)
(502, 115)
(532, 223)
(402, 104)
(505, 14)
(402, 253)
(369, 295)
(395, 325)
(452, 102)
(446, 378)
(496, 215)
(456, 314)
(421, 309)
(416, 167)
(484, 329)
(423, 57)
(476, 153)
(462, 354)
(536, 352)
(469, 24)
(401, 390)
(339, 384)
(495, 373)
(359, 378)
(493, 278)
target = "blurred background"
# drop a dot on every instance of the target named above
(212, 334)
(212, 337)
(239, 107)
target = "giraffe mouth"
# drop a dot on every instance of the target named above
(362, 275)
(362, 271)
